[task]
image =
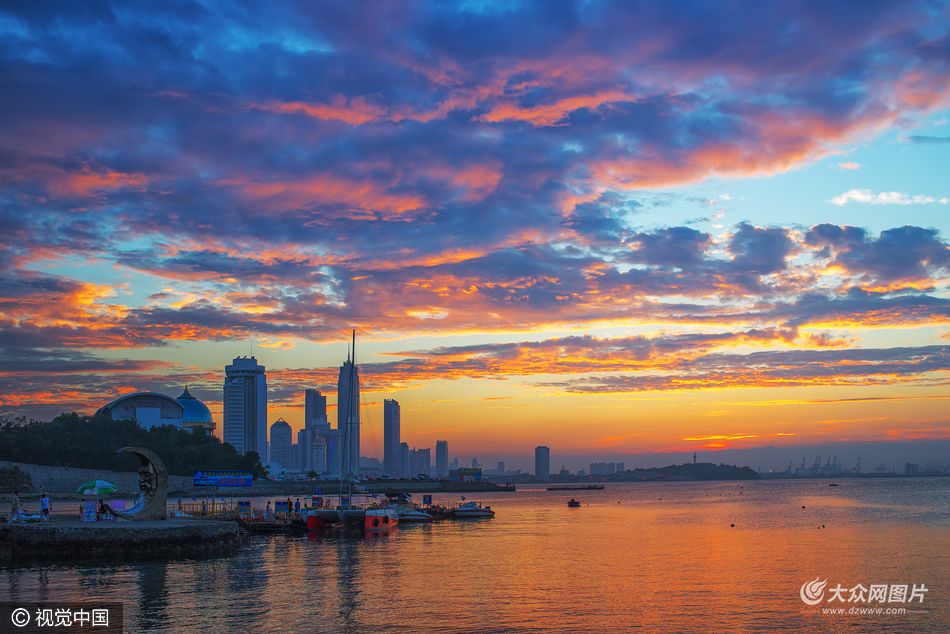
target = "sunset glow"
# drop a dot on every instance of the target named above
(550, 224)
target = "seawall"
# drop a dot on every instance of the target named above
(74, 540)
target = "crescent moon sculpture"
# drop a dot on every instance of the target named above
(153, 487)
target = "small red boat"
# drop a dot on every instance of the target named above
(381, 519)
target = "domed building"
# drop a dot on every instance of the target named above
(195, 413)
(152, 409)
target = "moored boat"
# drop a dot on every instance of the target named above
(412, 515)
(472, 510)
(380, 519)
(407, 510)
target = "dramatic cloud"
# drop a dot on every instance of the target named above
(781, 369)
(905, 254)
(216, 171)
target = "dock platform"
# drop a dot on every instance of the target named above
(73, 539)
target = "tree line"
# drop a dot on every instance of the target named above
(75, 440)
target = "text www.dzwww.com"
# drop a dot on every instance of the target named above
(857, 610)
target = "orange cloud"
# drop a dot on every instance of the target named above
(355, 111)
(361, 198)
(553, 113)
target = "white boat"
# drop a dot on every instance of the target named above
(410, 514)
(472, 510)
(408, 511)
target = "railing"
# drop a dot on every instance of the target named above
(226, 510)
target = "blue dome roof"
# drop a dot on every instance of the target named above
(195, 410)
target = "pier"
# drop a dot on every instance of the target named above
(75, 540)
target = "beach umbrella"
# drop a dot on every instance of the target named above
(97, 488)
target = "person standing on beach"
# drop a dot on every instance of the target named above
(16, 504)
(297, 506)
(45, 506)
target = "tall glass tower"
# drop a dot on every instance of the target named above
(392, 463)
(542, 463)
(348, 415)
(442, 458)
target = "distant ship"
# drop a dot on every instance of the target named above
(588, 487)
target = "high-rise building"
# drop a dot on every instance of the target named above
(542, 463)
(312, 450)
(334, 458)
(425, 461)
(318, 453)
(404, 466)
(501, 467)
(245, 406)
(348, 415)
(606, 468)
(280, 442)
(442, 458)
(303, 441)
(391, 437)
(315, 408)
(420, 462)
(295, 458)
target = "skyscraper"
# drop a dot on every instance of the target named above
(442, 458)
(303, 441)
(348, 414)
(333, 451)
(404, 466)
(425, 461)
(318, 453)
(391, 436)
(245, 406)
(542, 463)
(315, 408)
(420, 462)
(280, 442)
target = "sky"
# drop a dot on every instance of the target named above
(611, 228)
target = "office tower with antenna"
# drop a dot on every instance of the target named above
(348, 414)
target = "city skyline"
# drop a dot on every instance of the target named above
(572, 226)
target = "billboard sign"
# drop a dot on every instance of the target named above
(223, 479)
